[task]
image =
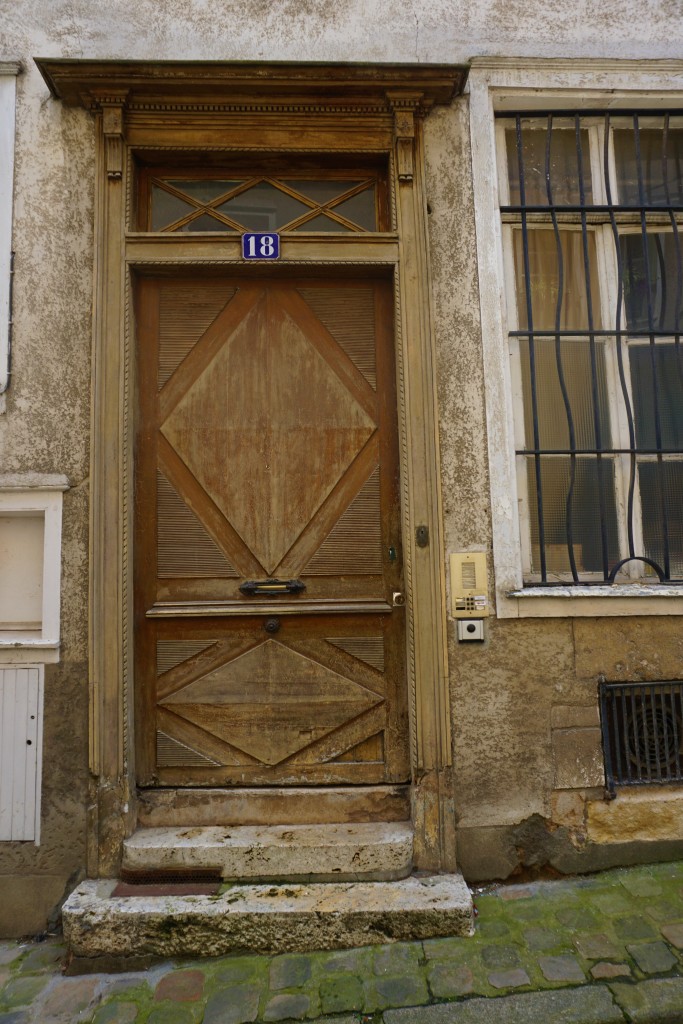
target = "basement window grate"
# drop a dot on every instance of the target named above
(642, 733)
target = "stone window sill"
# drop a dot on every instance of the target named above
(31, 648)
(597, 601)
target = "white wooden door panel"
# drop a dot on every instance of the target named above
(21, 700)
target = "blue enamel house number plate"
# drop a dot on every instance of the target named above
(260, 246)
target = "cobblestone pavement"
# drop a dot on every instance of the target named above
(606, 947)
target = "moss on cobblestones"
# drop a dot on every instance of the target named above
(573, 934)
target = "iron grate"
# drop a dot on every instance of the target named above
(601, 465)
(642, 733)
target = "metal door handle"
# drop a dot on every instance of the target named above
(252, 588)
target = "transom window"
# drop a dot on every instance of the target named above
(235, 203)
(592, 208)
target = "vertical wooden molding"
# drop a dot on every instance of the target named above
(405, 108)
(107, 754)
(112, 131)
(432, 796)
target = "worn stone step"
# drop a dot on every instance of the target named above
(373, 851)
(285, 805)
(265, 918)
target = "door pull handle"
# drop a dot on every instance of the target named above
(252, 588)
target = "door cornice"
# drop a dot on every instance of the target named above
(235, 84)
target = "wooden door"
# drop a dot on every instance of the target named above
(267, 449)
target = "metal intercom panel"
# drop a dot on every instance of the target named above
(469, 585)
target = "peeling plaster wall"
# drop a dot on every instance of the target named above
(503, 692)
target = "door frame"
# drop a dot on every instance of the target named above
(259, 109)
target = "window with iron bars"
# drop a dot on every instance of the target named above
(592, 210)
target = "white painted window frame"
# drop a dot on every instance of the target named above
(42, 494)
(513, 84)
(8, 77)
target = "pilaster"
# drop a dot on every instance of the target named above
(432, 796)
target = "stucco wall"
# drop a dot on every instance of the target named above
(359, 30)
(45, 429)
(512, 729)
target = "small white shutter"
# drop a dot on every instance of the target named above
(21, 709)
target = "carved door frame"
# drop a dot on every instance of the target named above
(260, 109)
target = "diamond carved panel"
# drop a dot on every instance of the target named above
(271, 702)
(268, 429)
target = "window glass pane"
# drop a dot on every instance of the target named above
(574, 363)
(668, 375)
(263, 208)
(321, 191)
(360, 209)
(544, 270)
(585, 514)
(206, 223)
(166, 209)
(204, 190)
(661, 261)
(661, 166)
(564, 167)
(322, 223)
(662, 483)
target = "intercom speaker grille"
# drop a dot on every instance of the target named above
(469, 576)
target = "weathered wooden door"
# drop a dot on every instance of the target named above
(267, 450)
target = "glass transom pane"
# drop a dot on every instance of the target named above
(263, 204)
(263, 208)
(322, 223)
(206, 222)
(322, 190)
(360, 209)
(166, 209)
(204, 190)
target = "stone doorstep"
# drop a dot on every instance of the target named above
(265, 918)
(370, 851)
(283, 805)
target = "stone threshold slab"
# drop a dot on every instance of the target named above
(375, 851)
(291, 805)
(265, 918)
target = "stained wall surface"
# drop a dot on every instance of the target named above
(524, 701)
